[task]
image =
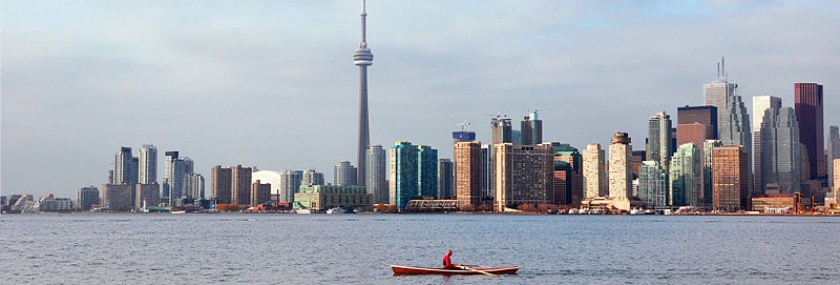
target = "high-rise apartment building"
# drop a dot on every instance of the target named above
(659, 139)
(620, 168)
(708, 172)
(427, 175)
(312, 177)
(594, 171)
(125, 167)
(146, 195)
(196, 186)
(524, 175)
(531, 129)
(445, 179)
(290, 183)
(653, 185)
(376, 183)
(760, 105)
(686, 188)
(469, 173)
(260, 193)
(344, 174)
(780, 152)
(147, 165)
(808, 102)
(486, 167)
(221, 181)
(403, 174)
(86, 197)
(730, 178)
(117, 197)
(240, 192)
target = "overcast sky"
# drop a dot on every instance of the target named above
(272, 83)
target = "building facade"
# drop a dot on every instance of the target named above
(260, 193)
(659, 138)
(568, 174)
(760, 105)
(344, 174)
(594, 172)
(780, 152)
(403, 179)
(147, 167)
(730, 178)
(524, 175)
(446, 179)
(620, 168)
(146, 195)
(708, 166)
(468, 172)
(427, 174)
(87, 197)
(808, 102)
(704, 115)
(833, 152)
(376, 174)
(323, 197)
(653, 185)
(531, 129)
(220, 184)
(686, 188)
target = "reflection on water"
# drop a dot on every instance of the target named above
(357, 249)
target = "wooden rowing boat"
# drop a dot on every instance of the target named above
(413, 270)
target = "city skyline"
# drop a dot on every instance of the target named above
(67, 81)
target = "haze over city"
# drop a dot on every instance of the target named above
(273, 85)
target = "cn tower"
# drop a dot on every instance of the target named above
(363, 58)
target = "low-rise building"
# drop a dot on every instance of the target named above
(774, 203)
(322, 197)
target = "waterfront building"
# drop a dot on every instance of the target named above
(117, 197)
(176, 170)
(730, 178)
(594, 172)
(531, 129)
(446, 178)
(403, 174)
(377, 184)
(148, 193)
(323, 197)
(760, 104)
(53, 204)
(774, 203)
(808, 100)
(87, 197)
(486, 172)
(620, 168)
(260, 193)
(362, 58)
(568, 174)
(344, 174)
(524, 175)
(832, 153)
(659, 138)
(686, 187)
(836, 178)
(468, 172)
(147, 171)
(125, 167)
(708, 188)
(269, 177)
(653, 185)
(704, 115)
(780, 151)
(221, 182)
(290, 184)
(240, 186)
(427, 175)
(313, 177)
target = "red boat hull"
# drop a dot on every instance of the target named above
(412, 270)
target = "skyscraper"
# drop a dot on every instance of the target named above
(445, 179)
(313, 177)
(290, 183)
(376, 174)
(568, 174)
(148, 164)
(730, 180)
(833, 152)
(620, 172)
(220, 184)
(125, 167)
(500, 129)
(594, 172)
(734, 127)
(486, 171)
(197, 189)
(344, 174)
(427, 175)
(363, 58)
(531, 129)
(719, 93)
(708, 145)
(780, 151)
(659, 139)
(653, 185)
(704, 115)
(760, 104)
(524, 175)
(403, 181)
(240, 192)
(686, 188)
(468, 172)
(808, 100)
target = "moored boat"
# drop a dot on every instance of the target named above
(413, 270)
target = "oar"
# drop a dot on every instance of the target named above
(480, 271)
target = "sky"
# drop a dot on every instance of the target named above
(272, 84)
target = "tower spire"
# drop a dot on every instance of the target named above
(363, 58)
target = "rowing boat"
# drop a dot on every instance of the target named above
(413, 270)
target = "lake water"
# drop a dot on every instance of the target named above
(357, 249)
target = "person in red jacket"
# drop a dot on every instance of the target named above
(447, 262)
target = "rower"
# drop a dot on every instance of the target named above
(447, 262)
